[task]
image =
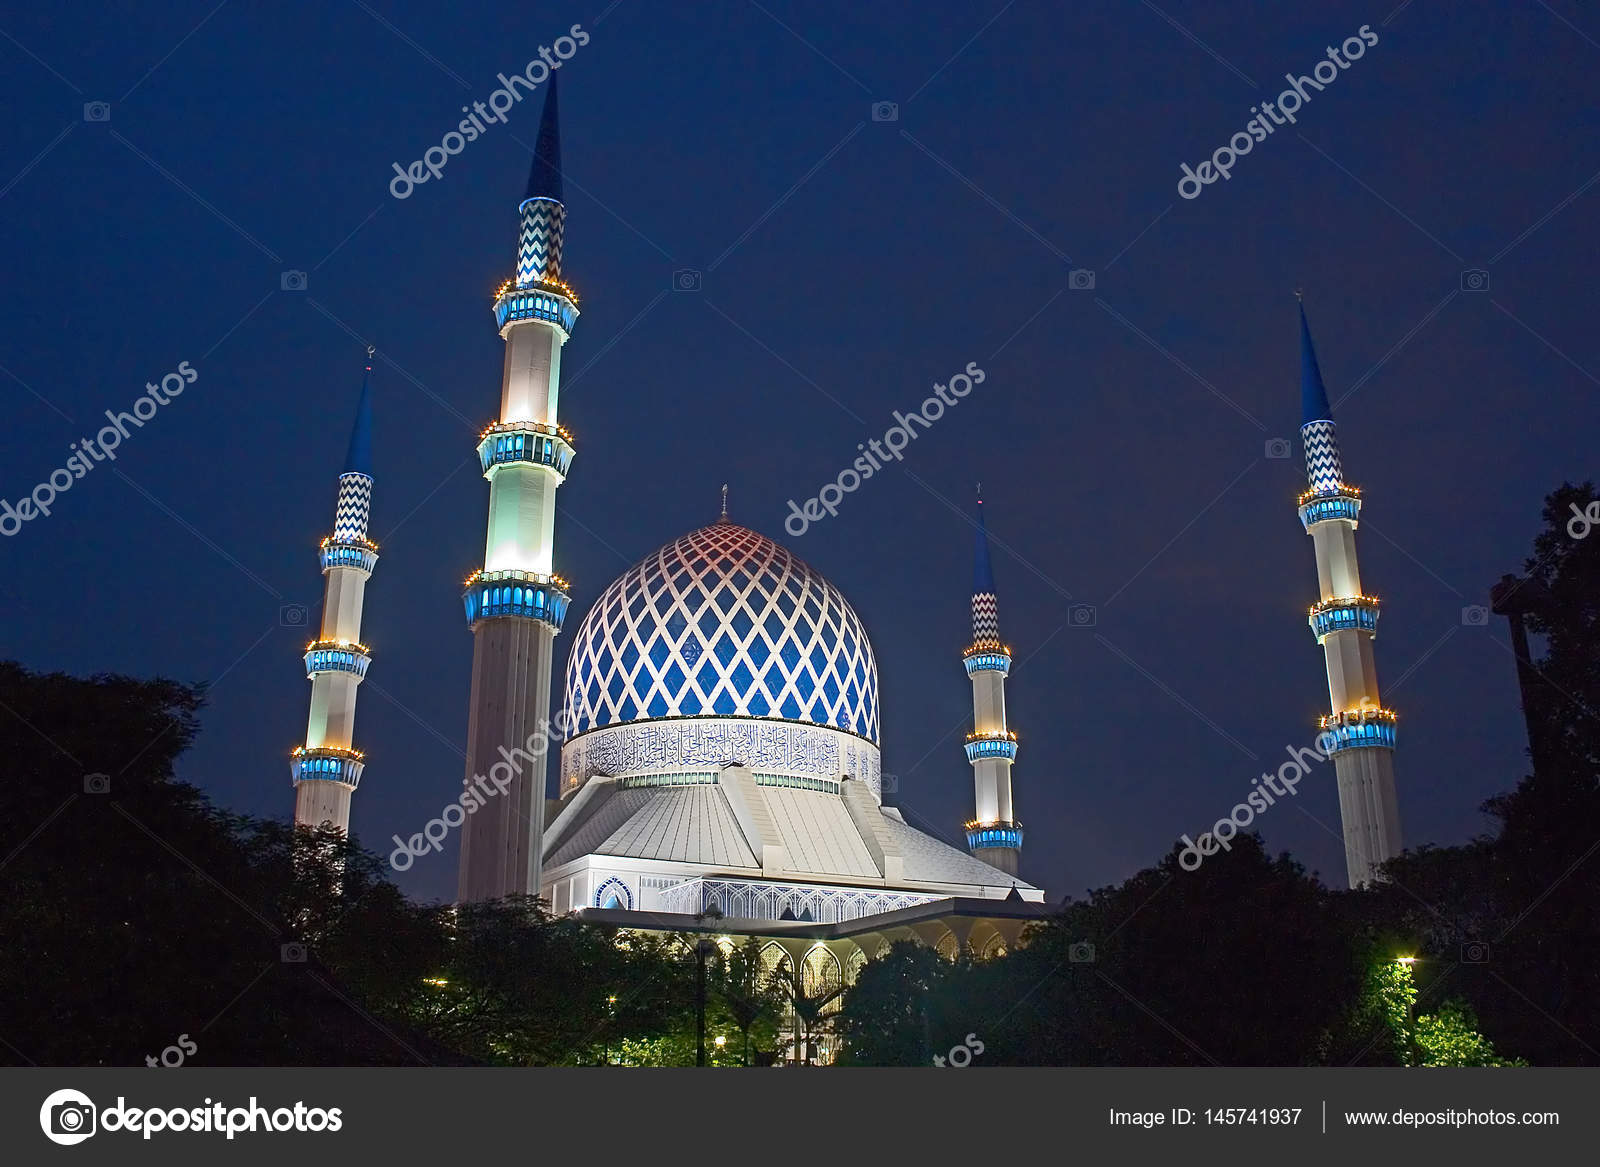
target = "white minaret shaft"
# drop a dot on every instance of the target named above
(327, 768)
(994, 835)
(1359, 732)
(516, 603)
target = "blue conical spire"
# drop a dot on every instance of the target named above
(544, 179)
(1313, 397)
(982, 573)
(358, 458)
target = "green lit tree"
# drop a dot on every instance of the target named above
(1447, 1037)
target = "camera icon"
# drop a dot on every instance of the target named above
(1082, 616)
(1475, 616)
(292, 953)
(97, 783)
(1474, 279)
(1080, 279)
(292, 281)
(686, 279)
(1081, 953)
(97, 111)
(1278, 449)
(889, 783)
(293, 615)
(885, 111)
(70, 1121)
(1474, 952)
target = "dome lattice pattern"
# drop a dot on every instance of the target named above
(723, 622)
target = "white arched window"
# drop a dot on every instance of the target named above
(820, 974)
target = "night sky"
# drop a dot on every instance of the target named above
(1121, 435)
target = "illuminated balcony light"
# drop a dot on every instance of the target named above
(1341, 614)
(991, 745)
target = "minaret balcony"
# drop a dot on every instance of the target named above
(547, 300)
(511, 442)
(1343, 614)
(335, 656)
(981, 835)
(492, 594)
(1320, 506)
(327, 764)
(991, 745)
(987, 656)
(361, 554)
(1357, 729)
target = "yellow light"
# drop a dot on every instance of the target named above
(436, 981)
(721, 1041)
(1405, 960)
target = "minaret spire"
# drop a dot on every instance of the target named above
(516, 603)
(327, 768)
(544, 176)
(993, 835)
(542, 210)
(1358, 731)
(358, 456)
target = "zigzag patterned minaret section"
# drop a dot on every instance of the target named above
(1358, 731)
(515, 605)
(327, 768)
(993, 835)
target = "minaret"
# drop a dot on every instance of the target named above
(1358, 732)
(993, 835)
(327, 769)
(516, 603)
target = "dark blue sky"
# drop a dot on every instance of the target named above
(848, 264)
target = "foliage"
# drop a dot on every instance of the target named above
(746, 997)
(897, 1005)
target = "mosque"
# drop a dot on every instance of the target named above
(719, 722)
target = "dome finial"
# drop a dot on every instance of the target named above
(723, 518)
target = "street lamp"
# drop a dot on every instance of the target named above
(611, 1016)
(703, 951)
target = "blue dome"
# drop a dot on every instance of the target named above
(723, 623)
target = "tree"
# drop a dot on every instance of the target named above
(746, 992)
(898, 1003)
(1518, 910)
(808, 1006)
(520, 987)
(1397, 1035)
(135, 911)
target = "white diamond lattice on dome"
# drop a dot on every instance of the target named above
(723, 623)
